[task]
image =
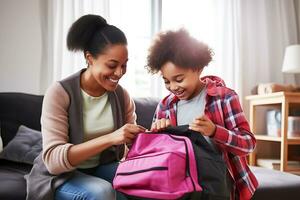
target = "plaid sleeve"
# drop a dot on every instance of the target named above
(236, 135)
(159, 112)
(156, 114)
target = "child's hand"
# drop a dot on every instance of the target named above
(203, 125)
(160, 124)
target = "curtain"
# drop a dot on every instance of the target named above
(248, 37)
(297, 11)
(255, 34)
(57, 61)
(252, 40)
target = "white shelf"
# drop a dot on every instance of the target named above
(282, 100)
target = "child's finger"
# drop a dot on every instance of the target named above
(153, 127)
(162, 123)
(195, 128)
(158, 125)
(205, 118)
(168, 123)
(202, 118)
(199, 122)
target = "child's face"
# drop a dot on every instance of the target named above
(182, 82)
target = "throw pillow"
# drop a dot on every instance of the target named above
(24, 147)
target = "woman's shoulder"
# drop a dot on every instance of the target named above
(73, 77)
(55, 88)
(121, 89)
(56, 93)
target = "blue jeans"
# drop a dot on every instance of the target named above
(91, 184)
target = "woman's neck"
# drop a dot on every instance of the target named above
(90, 85)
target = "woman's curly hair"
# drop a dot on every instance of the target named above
(179, 48)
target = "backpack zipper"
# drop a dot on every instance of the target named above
(143, 170)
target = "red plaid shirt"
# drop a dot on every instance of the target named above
(232, 136)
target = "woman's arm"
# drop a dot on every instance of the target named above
(61, 156)
(130, 115)
(54, 121)
(81, 152)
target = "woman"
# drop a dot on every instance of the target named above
(86, 118)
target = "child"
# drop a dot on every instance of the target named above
(206, 104)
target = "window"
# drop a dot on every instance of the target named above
(134, 18)
(140, 21)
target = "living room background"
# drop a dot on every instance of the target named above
(248, 38)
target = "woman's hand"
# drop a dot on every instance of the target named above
(203, 125)
(80, 152)
(160, 124)
(126, 133)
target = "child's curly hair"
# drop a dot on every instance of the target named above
(179, 48)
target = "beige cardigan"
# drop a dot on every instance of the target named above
(55, 127)
(62, 127)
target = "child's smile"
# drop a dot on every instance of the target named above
(181, 81)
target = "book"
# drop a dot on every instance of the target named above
(275, 164)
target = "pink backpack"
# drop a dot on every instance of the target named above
(158, 166)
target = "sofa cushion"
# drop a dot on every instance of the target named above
(13, 185)
(1, 144)
(145, 108)
(276, 185)
(24, 147)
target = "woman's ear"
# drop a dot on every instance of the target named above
(88, 58)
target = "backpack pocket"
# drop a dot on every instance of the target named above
(157, 176)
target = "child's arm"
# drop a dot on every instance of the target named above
(236, 135)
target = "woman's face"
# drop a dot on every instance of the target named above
(182, 82)
(109, 67)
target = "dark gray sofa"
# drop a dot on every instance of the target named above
(25, 109)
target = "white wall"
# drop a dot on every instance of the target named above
(20, 46)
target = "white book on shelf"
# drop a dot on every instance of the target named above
(275, 163)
